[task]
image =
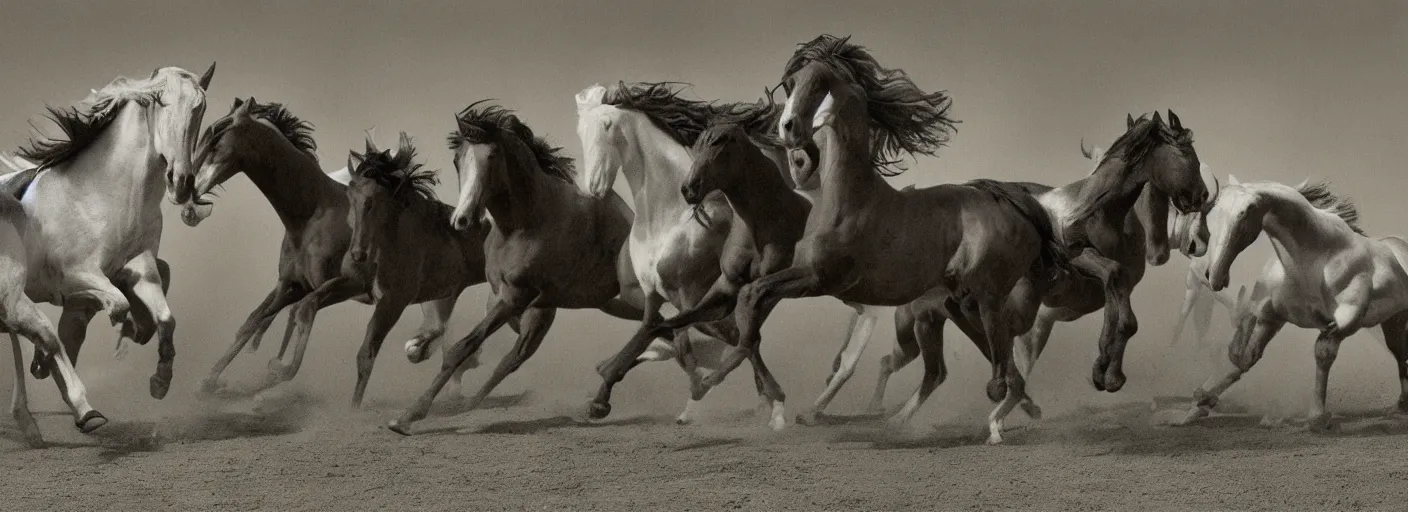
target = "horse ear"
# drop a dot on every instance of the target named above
(1128, 121)
(241, 109)
(205, 78)
(1173, 120)
(353, 160)
(1158, 119)
(1232, 180)
(404, 144)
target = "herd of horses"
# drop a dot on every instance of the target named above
(737, 206)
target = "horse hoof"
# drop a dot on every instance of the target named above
(997, 389)
(777, 424)
(684, 420)
(808, 418)
(159, 386)
(414, 352)
(994, 440)
(598, 410)
(1114, 381)
(1032, 410)
(211, 386)
(399, 428)
(1320, 424)
(38, 369)
(90, 422)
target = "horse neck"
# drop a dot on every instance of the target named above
(760, 197)
(291, 180)
(523, 198)
(847, 173)
(1299, 233)
(1114, 187)
(655, 166)
(122, 158)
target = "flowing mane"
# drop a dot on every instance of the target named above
(903, 118)
(400, 173)
(758, 120)
(297, 131)
(1146, 134)
(682, 118)
(1320, 197)
(84, 123)
(487, 124)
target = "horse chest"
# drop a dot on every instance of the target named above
(679, 256)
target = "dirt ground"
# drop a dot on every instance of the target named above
(523, 455)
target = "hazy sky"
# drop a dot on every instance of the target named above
(1275, 90)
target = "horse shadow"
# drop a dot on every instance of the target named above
(535, 426)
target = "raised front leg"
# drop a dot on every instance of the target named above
(145, 281)
(755, 302)
(283, 294)
(384, 316)
(140, 325)
(613, 369)
(1120, 324)
(509, 304)
(334, 291)
(1246, 348)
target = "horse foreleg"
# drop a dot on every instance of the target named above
(1107, 373)
(140, 325)
(852, 346)
(142, 276)
(510, 303)
(283, 294)
(1191, 296)
(613, 369)
(19, 400)
(1246, 348)
(534, 323)
(1000, 338)
(26, 320)
(334, 291)
(756, 301)
(385, 313)
(684, 355)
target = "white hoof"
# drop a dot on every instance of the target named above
(686, 416)
(779, 417)
(995, 439)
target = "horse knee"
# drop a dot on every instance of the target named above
(1128, 326)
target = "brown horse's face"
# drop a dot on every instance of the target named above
(806, 89)
(716, 155)
(479, 168)
(370, 209)
(1175, 170)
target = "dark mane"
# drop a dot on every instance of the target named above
(1146, 134)
(758, 120)
(486, 125)
(400, 173)
(1320, 196)
(83, 124)
(682, 118)
(297, 131)
(903, 118)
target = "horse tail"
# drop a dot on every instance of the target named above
(1052, 260)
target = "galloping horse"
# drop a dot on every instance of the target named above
(863, 239)
(404, 232)
(94, 205)
(276, 150)
(551, 246)
(1327, 275)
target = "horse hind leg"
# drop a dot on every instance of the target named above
(1396, 338)
(19, 400)
(928, 333)
(852, 346)
(906, 349)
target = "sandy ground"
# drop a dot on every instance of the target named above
(523, 455)
(302, 449)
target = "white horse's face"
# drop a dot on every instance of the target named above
(175, 122)
(600, 130)
(475, 166)
(1234, 222)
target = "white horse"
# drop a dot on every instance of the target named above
(666, 239)
(94, 205)
(1327, 275)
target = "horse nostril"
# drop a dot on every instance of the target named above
(684, 190)
(788, 125)
(170, 177)
(461, 223)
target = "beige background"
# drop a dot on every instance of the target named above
(1274, 90)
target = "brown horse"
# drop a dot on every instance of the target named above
(404, 232)
(276, 150)
(551, 246)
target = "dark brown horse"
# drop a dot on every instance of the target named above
(276, 150)
(551, 245)
(404, 233)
